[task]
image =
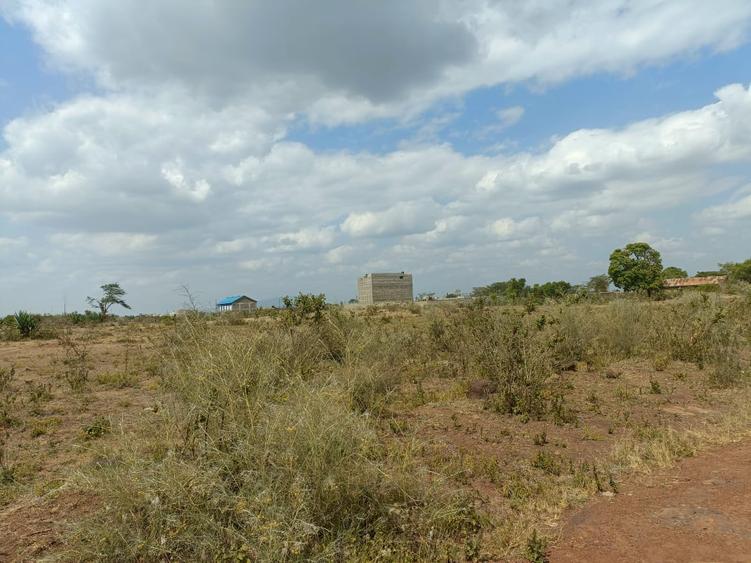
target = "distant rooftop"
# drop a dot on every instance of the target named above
(370, 274)
(232, 298)
(693, 282)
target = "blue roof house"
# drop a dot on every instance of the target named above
(236, 303)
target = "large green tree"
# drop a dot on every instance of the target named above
(738, 271)
(510, 289)
(636, 267)
(112, 294)
(554, 289)
(674, 272)
(599, 284)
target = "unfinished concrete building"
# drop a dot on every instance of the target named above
(384, 288)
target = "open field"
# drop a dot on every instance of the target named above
(458, 432)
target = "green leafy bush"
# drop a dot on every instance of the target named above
(26, 323)
(97, 428)
(305, 306)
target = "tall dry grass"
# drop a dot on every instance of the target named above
(268, 450)
(273, 440)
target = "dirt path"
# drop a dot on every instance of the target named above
(698, 511)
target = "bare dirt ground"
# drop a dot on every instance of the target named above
(698, 511)
(46, 434)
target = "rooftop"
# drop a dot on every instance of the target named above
(693, 282)
(232, 299)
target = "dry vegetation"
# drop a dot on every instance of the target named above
(445, 432)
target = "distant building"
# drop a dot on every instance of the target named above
(384, 288)
(236, 303)
(677, 283)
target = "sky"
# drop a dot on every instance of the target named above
(267, 148)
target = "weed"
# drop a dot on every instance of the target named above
(594, 402)
(42, 427)
(7, 375)
(623, 394)
(117, 379)
(661, 361)
(654, 387)
(76, 361)
(99, 427)
(547, 462)
(613, 484)
(540, 439)
(591, 435)
(39, 392)
(596, 478)
(560, 412)
(8, 397)
(537, 547)
(727, 372)
(7, 474)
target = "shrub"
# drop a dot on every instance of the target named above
(537, 547)
(77, 318)
(703, 330)
(8, 328)
(258, 459)
(547, 462)
(507, 348)
(599, 335)
(8, 397)
(698, 328)
(97, 428)
(304, 306)
(117, 379)
(76, 362)
(524, 368)
(26, 323)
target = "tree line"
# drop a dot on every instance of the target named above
(637, 267)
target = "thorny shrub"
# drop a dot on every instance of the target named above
(267, 455)
(271, 445)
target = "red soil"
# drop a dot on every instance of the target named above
(698, 511)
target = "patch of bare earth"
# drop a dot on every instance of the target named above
(32, 526)
(46, 438)
(698, 511)
(489, 452)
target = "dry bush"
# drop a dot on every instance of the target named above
(76, 361)
(505, 347)
(599, 335)
(699, 328)
(262, 456)
(276, 440)
(374, 358)
(8, 397)
(705, 330)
